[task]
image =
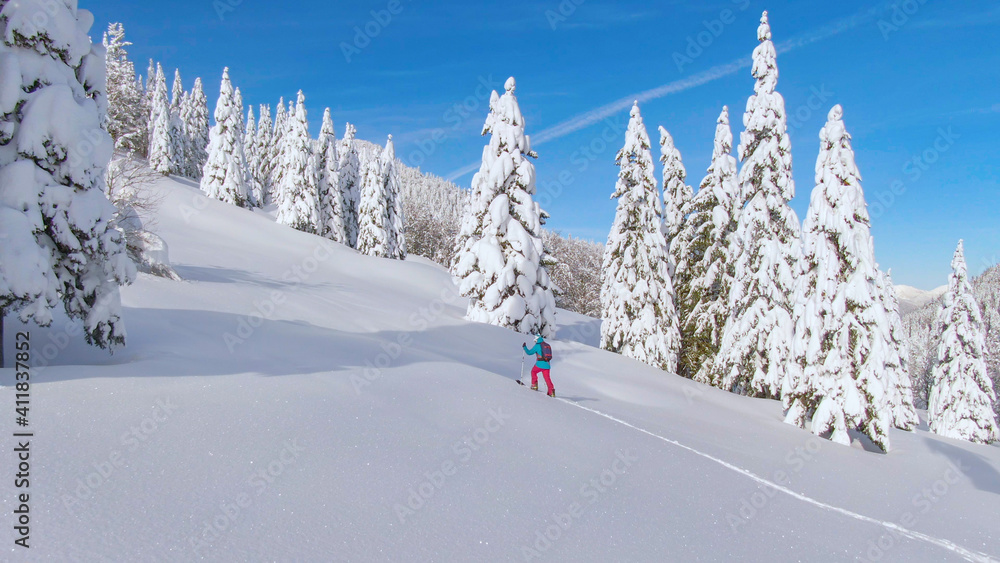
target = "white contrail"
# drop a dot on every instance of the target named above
(593, 116)
(583, 120)
(586, 119)
(455, 175)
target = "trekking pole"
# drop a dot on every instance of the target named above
(519, 382)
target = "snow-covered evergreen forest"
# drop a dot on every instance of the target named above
(723, 285)
(315, 185)
(768, 307)
(320, 186)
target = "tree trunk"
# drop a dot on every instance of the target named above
(1, 338)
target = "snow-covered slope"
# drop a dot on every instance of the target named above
(911, 298)
(294, 401)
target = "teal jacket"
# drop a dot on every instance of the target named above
(537, 351)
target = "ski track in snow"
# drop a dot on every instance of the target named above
(968, 554)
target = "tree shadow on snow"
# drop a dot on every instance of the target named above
(229, 275)
(860, 438)
(922, 421)
(980, 471)
(187, 342)
(187, 182)
(584, 330)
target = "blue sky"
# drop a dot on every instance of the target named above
(919, 81)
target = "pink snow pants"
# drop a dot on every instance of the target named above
(545, 373)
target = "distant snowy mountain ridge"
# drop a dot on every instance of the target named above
(911, 298)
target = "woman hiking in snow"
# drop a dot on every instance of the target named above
(543, 353)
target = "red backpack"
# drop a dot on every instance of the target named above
(546, 352)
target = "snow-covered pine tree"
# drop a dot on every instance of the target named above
(150, 80)
(183, 139)
(842, 327)
(277, 143)
(147, 98)
(703, 254)
(396, 235)
(986, 290)
(238, 97)
(296, 195)
(756, 349)
(350, 184)
(373, 213)
(224, 175)
(331, 199)
(475, 209)
(128, 115)
(962, 398)
(161, 149)
(501, 266)
(254, 187)
(280, 118)
(59, 240)
(289, 115)
(639, 316)
(194, 116)
(899, 389)
(263, 149)
(176, 92)
(178, 137)
(676, 193)
(314, 176)
(244, 164)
